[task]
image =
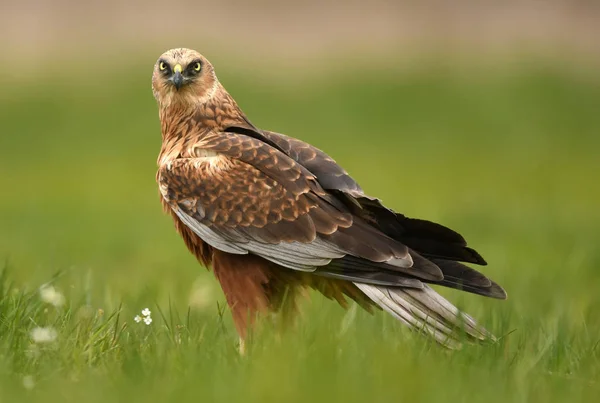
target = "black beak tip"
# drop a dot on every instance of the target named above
(177, 80)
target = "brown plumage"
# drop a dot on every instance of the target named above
(274, 216)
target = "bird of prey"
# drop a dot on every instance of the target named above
(274, 216)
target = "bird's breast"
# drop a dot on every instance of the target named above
(213, 164)
(197, 163)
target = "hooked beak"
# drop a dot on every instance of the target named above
(177, 78)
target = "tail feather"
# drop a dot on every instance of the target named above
(427, 311)
(454, 317)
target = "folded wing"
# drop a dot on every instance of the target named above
(442, 246)
(241, 195)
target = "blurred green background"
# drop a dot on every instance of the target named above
(495, 139)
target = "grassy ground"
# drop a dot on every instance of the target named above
(509, 160)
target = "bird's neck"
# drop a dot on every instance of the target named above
(217, 113)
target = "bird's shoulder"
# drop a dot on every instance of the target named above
(328, 172)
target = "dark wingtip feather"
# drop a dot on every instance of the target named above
(496, 291)
(465, 278)
(478, 259)
(459, 272)
(432, 248)
(425, 268)
(420, 228)
(493, 291)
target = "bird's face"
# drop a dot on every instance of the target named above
(183, 76)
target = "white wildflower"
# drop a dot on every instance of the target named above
(28, 382)
(145, 316)
(43, 334)
(50, 295)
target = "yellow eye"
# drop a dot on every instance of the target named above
(197, 66)
(162, 66)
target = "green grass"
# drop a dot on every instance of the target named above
(509, 160)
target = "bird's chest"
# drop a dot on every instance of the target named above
(175, 148)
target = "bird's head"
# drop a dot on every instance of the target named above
(183, 76)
